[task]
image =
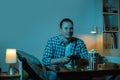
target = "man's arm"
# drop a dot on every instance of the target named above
(62, 60)
(83, 50)
(84, 54)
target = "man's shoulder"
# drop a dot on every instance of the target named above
(77, 39)
(54, 38)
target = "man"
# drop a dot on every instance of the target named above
(60, 48)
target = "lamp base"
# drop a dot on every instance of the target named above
(11, 72)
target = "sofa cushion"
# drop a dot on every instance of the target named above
(25, 75)
(32, 65)
(21, 55)
(34, 71)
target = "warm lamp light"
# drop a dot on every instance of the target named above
(11, 58)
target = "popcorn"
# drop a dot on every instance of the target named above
(93, 51)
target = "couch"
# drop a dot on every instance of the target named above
(32, 69)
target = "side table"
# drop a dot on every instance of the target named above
(6, 76)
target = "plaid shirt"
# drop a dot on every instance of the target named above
(55, 48)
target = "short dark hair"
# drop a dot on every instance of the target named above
(66, 20)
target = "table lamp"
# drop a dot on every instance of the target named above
(10, 58)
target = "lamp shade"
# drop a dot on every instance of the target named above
(11, 56)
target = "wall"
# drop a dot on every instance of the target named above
(27, 24)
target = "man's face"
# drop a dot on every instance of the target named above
(67, 30)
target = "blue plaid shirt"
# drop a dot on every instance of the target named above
(55, 48)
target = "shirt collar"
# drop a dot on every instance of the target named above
(61, 40)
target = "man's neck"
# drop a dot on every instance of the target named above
(66, 40)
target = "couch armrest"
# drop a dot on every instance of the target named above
(112, 62)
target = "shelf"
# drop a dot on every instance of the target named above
(110, 40)
(110, 31)
(110, 13)
(111, 25)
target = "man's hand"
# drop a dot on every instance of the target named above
(83, 62)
